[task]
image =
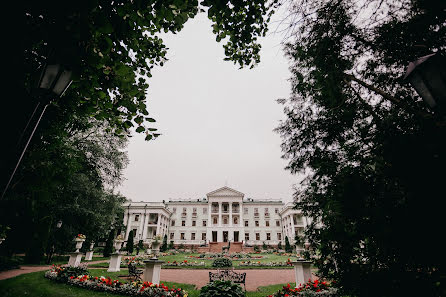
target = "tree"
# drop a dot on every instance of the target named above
(288, 247)
(109, 244)
(279, 246)
(140, 246)
(171, 245)
(370, 149)
(130, 243)
(164, 245)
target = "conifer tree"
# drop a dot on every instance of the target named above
(130, 242)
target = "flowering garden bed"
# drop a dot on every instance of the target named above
(81, 278)
(265, 264)
(310, 289)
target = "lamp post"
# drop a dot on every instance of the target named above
(51, 251)
(427, 75)
(54, 80)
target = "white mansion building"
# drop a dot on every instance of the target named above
(223, 216)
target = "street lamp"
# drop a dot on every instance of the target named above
(54, 79)
(427, 75)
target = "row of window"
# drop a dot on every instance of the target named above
(245, 210)
(247, 236)
(225, 222)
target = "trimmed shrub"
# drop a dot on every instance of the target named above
(7, 263)
(222, 289)
(129, 246)
(222, 262)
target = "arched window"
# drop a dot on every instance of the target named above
(236, 220)
(215, 220)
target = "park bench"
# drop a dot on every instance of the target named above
(134, 272)
(227, 274)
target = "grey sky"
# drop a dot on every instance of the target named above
(216, 123)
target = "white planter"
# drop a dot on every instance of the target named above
(91, 245)
(79, 243)
(118, 244)
(1, 240)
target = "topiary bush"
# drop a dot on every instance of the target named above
(222, 289)
(222, 262)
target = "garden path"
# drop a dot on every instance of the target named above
(254, 277)
(28, 269)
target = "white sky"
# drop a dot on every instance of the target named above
(216, 123)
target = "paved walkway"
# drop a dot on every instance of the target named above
(28, 269)
(254, 277)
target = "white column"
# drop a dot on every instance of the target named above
(144, 226)
(292, 229)
(220, 209)
(141, 227)
(230, 214)
(128, 227)
(209, 224)
(158, 224)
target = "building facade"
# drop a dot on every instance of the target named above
(224, 215)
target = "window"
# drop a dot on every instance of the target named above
(215, 221)
(225, 220)
(278, 223)
(172, 235)
(246, 236)
(245, 210)
(268, 236)
(235, 221)
(174, 210)
(205, 210)
(257, 236)
(134, 232)
(276, 210)
(183, 223)
(267, 223)
(279, 236)
(257, 223)
(136, 218)
(194, 223)
(172, 223)
(246, 224)
(205, 223)
(182, 236)
(192, 236)
(203, 236)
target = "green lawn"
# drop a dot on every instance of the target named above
(59, 260)
(208, 263)
(35, 285)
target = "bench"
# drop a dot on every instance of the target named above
(134, 272)
(225, 275)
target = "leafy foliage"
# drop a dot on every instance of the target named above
(222, 289)
(129, 246)
(109, 244)
(113, 46)
(371, 150)
(222, 262)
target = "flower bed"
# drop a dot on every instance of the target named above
(310, 289)
(106, 284)
(268, 264)
(211, 256)
(183, 263)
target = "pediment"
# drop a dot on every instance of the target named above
(225, 192)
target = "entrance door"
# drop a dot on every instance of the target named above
(236, 236)
(214, 236)
(225, 236)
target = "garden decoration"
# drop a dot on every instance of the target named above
(156, 242)
(89, 254)
(302, 270)
(76, 256)
(152, 269)
(115, 259)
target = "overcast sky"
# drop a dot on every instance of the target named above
(216, 122)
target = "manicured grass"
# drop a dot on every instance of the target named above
(180, 257)
(35, 285)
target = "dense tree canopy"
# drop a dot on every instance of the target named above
(372, 152)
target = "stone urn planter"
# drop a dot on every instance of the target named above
(156, 243)
(118, 244)
(79, 243)
(91, 245)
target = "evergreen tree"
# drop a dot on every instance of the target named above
(130, 243)
(288, 247)
(109, 244)
(164, 245)
(279, 246)
(171, 246)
